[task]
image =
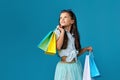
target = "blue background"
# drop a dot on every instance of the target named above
(23, 24)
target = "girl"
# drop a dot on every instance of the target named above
(69, 48)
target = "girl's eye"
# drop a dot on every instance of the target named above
(65, 16)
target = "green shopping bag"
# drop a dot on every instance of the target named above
(45, 42)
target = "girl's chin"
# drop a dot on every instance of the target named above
(63, 25)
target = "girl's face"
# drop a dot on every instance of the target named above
(65, 19)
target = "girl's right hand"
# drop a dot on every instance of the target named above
(89, 49)
(61, 29)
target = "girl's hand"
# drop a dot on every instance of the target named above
(61, 29)
(89, 49)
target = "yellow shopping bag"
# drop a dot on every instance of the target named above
(52, 45)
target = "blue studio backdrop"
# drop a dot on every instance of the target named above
(24, 23)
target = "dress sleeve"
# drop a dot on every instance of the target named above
(57, 32)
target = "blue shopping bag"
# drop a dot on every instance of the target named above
(93, 67)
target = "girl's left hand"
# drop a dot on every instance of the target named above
(89, 49)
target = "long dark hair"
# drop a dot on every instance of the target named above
(73, 31)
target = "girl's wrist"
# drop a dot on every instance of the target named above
(62, 32)
(86, 49)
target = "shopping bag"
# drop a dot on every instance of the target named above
(86, 71)
(93, 68)
(48, 44)
(52, 45)
(45, 41)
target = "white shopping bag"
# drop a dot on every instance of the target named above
(86, 72)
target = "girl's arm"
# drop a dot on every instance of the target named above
(60, 39)
(84, 50)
